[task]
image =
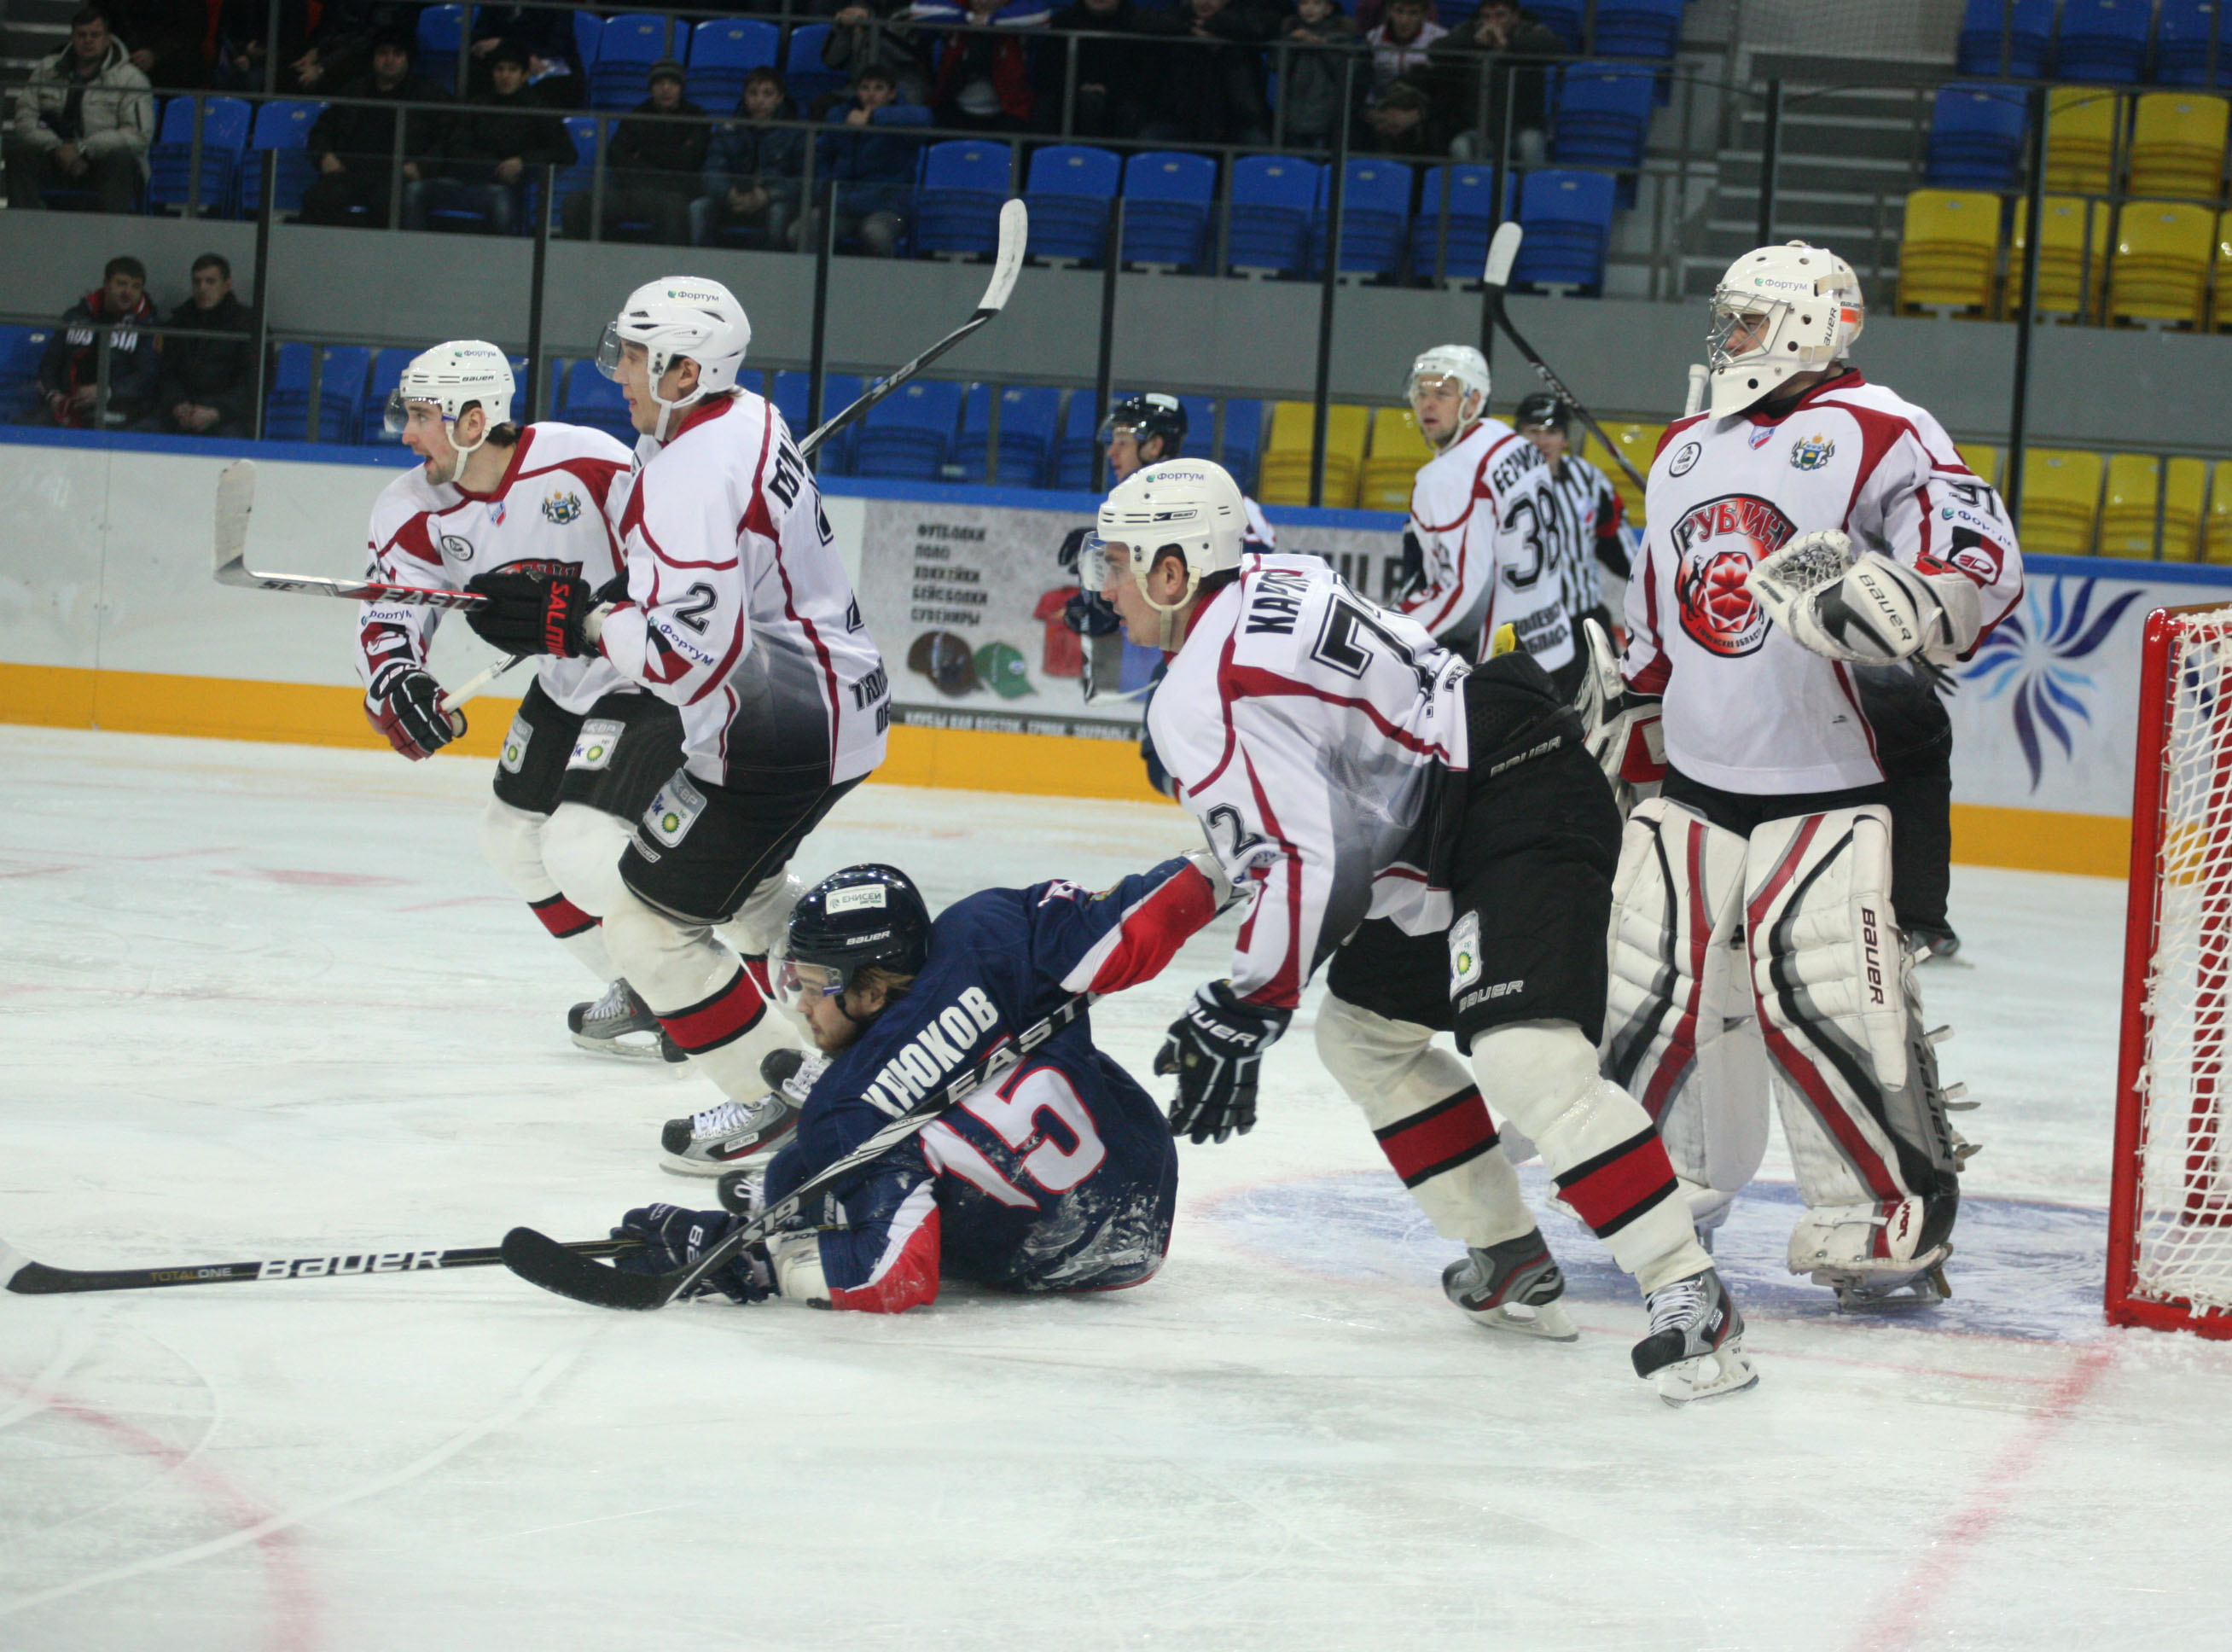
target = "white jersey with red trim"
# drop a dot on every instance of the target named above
(739, 608)
(1305, 726)
(548, 507)
(1482, 513)
(1747, 709)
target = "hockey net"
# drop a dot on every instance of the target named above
(2169, 1239)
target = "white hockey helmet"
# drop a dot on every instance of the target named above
(462, 374)
(1465, 364)
(675, 317)
(1810, 308)
(1189, 505)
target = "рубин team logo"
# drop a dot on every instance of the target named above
(1717, 544)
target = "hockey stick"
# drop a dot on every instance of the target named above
(28, 1279)
(1014, 232)
(1502, 253)
(480, 680)
(544, 1261)
(235, 499)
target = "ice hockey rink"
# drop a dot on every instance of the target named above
(265, 1000)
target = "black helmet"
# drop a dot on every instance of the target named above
(1154, 414)
(861, 916)
(1543, 408)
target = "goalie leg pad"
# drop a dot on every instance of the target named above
(1679, 1030)
(701, 993)
(1861, 1106)
(516, 842)
(1430, 1121)
(1599, 1144)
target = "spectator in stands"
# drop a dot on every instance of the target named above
(347, 34)
(983, 81)
(1501, 46)
(872, 162)
(483, 164)
(1209, 93)
(752, 171)
(1401, 42)
(208, 385)
(164, 39)
(545, 33)
(881, 32)
(69, 373)
(243, 37)
(1398, 122)
(1310, 76)
(82, 124)
(653, 167)
(1109, 72)
(355, 146)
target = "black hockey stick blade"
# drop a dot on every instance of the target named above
(539, 1259)
(28, 1279)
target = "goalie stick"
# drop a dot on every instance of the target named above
(1502, 253)
(28, 1279)
(563, 1269)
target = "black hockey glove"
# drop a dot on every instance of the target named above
(532, 610)
(1412, 576)
(404, 703)
(1214, 1050)
(1090, 614)
(674, 1237)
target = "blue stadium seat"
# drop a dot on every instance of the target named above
(1638, 27)
(839, 391)
(588, 34)
(1168, 198)
(626, 51)
(387, 371)
(571, 180)
(1976, 137)
(1067, 192)
(964, 183)
(586, 397)
(908, 436)
(2103, 41)
(287, 394)
(1472, 219)
(1243, 441)
(723, 51)
(342, 391)
(2182, 46)
(1568, 221)
(441, 30)
(21, 348)
(804, 74)
(1081, 439)
(285, 127)
(1028, 414)
(2026, 41)
(1603, 118)
(170, 158)
(1274, 197)
(1375, 212)
(1563, 18)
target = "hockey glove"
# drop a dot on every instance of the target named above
(1869, 610)
(531, 610)
(674, 1237)
(404, 703)
(1411, 577)
(1620, 727)
(1214, 1050)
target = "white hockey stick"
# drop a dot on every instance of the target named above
(236, 502)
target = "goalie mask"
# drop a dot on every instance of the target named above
(1188, 505)
(678, 317)
(1778, 312)
(454, 378)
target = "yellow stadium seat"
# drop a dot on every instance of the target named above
(2160, 271)
(1286, 464)
(1948, 254)
(1397, 451)
(1640, 444)
(2080, 139)
(2220, 278)
(2068, 283)
(2178, 145)
(2127, 513)
(2216, 543)
(2061, 501)
(1983, 460)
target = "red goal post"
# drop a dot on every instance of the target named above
(2170, 1213)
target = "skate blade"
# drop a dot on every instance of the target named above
(1923, 1290)
(1726, 1370)
(1548, 1321)
(618, 1047)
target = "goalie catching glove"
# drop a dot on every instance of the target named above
(1215, 1051)
(1868, 610)
(405, 704)
(531, 609)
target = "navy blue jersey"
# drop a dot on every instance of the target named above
(1062, 1177)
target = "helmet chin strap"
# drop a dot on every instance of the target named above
(459, 456)
(1170, 611)
(1465, 420)
(667, 409)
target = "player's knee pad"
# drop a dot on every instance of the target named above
(1861, 1104)
(511, 842)
(581, 847)
(759, 924)
(1677, 1024)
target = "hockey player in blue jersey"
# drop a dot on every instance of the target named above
(1062, 1177)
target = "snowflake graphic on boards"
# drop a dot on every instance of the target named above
(2029, 660)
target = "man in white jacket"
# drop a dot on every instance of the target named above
(82, 122)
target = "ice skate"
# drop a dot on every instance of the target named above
(1869, 1292)
(1695, 1350)
(1932, 943)
(615, 1026)
(725, 1137)
(1514, 1286)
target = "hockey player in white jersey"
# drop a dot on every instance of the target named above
(1808, 523)
(1348, 768)
(588, 748)
(736, 610)
(1480, 544)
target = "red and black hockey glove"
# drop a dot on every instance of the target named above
(404, 703)
(533, 610)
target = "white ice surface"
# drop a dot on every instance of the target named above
(263, 1000)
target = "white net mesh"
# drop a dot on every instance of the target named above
(2184, 1204)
